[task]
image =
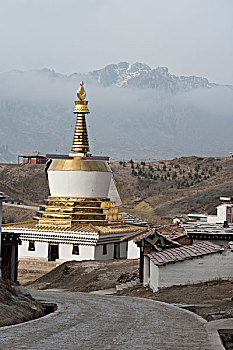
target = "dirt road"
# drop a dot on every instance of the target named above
(86, 321)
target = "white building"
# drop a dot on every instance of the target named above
(75, 243)
(224, 212)
(200, 262)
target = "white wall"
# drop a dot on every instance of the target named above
(64, 251)
(150, 274)
(154, 277)
(85, 252)
(41, 250)
(222, 213)
(207, 268)
(79, 183)
(133, 250)
(113, 193)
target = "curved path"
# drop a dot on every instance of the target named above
(87, 322)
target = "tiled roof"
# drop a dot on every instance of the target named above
(143, 235)
(184, 252)
(206, 230)
(167, 232)
(133, 234)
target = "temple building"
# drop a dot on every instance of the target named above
(80, 220)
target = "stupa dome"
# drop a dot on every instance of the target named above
(79, 178)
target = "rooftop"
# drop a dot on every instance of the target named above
(206, 230)
(81, 234)
(33, 154)
(170, 232)
(29, 230)
(184, 253)
(32, 226)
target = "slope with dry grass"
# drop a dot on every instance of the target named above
(153, 191)
(161, 190)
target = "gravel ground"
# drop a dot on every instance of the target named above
(85, 321)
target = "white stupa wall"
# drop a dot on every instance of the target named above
(113, 193)
(79, 183)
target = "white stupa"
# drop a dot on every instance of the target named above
(80, 219)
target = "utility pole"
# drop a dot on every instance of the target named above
(2, 197)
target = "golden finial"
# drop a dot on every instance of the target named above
(81, 93)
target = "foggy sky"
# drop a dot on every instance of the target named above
(190, 37)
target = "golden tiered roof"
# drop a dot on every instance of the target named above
(67, 211)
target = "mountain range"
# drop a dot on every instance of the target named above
(136, 112)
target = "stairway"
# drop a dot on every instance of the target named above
(127, 285)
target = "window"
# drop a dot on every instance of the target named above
(31, 246)
(104, 249)
(75, 249)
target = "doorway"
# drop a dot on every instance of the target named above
(53, 252)
(116, 251)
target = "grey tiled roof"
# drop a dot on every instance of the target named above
(184, 252)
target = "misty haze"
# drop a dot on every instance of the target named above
(129, 118)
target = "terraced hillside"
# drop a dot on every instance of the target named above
(155, 191)
(158, 191)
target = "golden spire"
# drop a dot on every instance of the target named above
(80, 145)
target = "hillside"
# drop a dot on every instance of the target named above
(135, 111)
(161, 190)
(154, 191)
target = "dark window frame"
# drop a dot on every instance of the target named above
(31, 246)
(75, 250)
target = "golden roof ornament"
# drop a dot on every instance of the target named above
(81, 93)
